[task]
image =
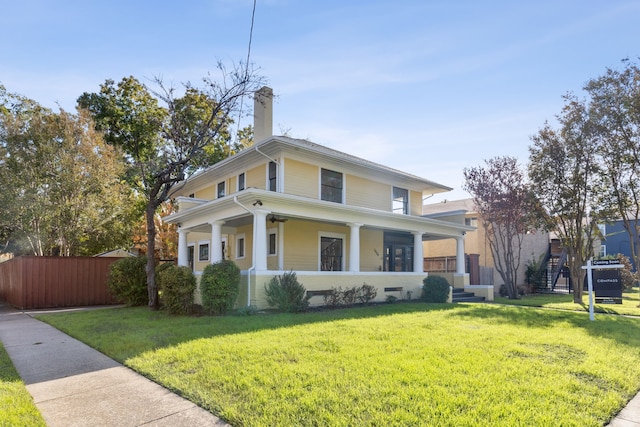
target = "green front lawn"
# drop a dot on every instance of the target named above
(399, 364)
(628, 307)
(16, 405)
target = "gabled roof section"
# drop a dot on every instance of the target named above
(273, 146)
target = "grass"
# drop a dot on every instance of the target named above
(399, 364)
(16, 405)
(629, 306)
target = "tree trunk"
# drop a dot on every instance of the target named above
(152, 289)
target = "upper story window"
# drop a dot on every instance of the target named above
(400, 201)
(472, 221)
(241, 181)
(273, 169)
(331, 186)
(221, 189)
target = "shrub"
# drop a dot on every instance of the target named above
(334, 298)
(128, 280)
(177, 285)
(367, 293)
(391, 299)
(220, 285)
(350, 296)
(435, 289)
(286, 294)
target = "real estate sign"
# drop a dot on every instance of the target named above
(607, 283)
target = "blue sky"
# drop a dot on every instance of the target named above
(427, 87)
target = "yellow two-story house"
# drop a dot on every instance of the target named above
(334, 219)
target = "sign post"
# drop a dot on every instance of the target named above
(597, 265)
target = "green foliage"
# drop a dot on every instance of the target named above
(247, 310)
(220, 285)
(177, 285)
(128, 280)
(358, 366)
(534, 273)
(367, 293)
(435, 289)
(391, 299)
(66, 196)
(286, 293)
(16, 405)
(338, 297)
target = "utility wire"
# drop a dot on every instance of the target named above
(246, 69)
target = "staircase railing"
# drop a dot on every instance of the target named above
(557, 269)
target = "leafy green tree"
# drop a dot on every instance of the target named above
(614, 108)
(61, 188)
(564, 169)
(165, 144)
(508, 210)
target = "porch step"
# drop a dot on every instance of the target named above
(459, 295)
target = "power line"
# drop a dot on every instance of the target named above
(246, 65)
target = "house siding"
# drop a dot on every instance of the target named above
(367, 193)
(415, 203)
(371, 250)
(256, 177)
(301, 179)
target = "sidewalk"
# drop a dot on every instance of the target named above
(75, 385)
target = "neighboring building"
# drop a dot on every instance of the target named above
(476, 244)
(616, 240)
(288, 204)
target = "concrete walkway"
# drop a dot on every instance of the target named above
(75, 385)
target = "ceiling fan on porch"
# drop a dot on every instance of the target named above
(275, 219)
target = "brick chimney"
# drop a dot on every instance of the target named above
(262, 114)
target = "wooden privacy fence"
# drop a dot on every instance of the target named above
(48, 282)
(447, 264)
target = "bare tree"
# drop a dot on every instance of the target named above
(508, 210)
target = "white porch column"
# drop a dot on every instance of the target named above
(460, 264)
(183, 249)
(216, 241)
(260, 239)
(418, 252)
(280, 246)
(354, 247)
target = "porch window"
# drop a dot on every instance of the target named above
(203, 251)
(221, 189)
(331, 254)
(400, 203)
(331, 186)
(273, 243)
(240, 250)
(273, 169)
(241, 181)
(190, 255)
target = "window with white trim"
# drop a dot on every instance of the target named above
(331, 252)
(400, 203)
(272, 242)
(241, 179)
(240, 246)
(203, 251)
(221, 189)
(331, 184)
(272, 177)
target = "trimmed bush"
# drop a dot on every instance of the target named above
(128, 280)
(367, 293)
(435, 289)
(286, 294)
(177, 286)
(220, 285)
